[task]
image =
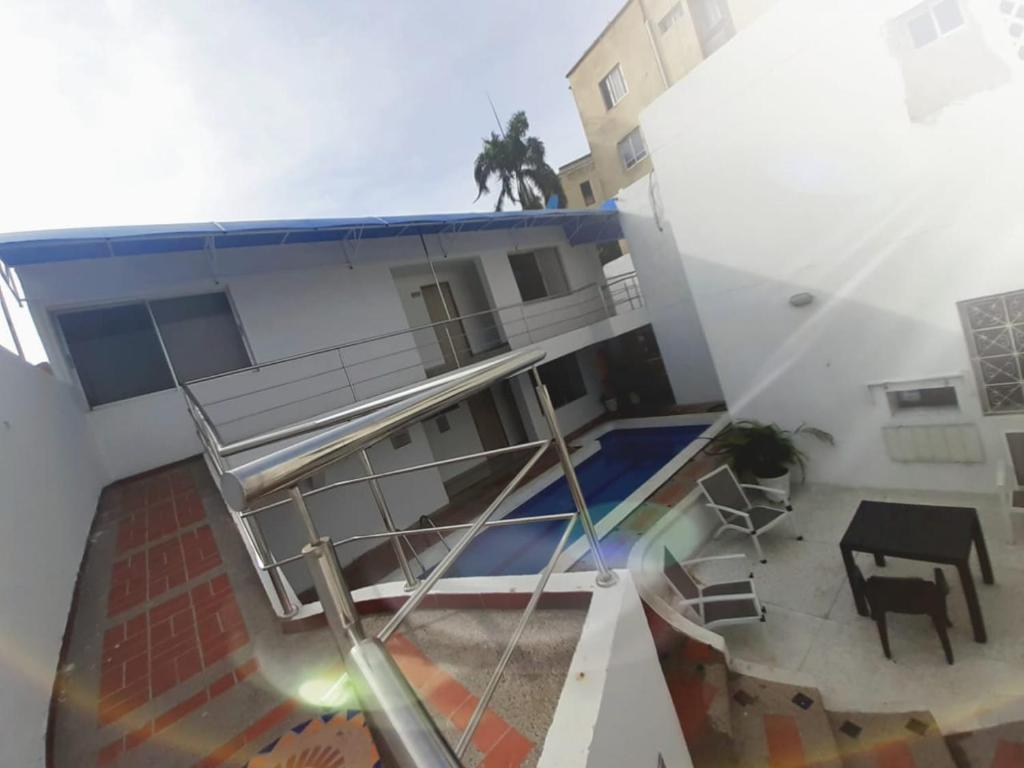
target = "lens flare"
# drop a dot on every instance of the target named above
(335, 693)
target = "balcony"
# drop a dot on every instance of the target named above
(273, 395)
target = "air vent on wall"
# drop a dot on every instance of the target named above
(934, 443)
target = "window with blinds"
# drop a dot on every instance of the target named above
(613, 87)
(632, 149)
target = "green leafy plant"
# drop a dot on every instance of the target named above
(517, 161)
(763, 450)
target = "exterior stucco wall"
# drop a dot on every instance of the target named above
(573, 175)
(674, 316)
(888, 222)
(50, 477)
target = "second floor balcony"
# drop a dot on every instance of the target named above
(278, 393)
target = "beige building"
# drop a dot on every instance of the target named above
(646, 48)
(581, 183)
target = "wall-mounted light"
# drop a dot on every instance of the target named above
(801, 299)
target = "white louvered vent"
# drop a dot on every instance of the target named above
(934, 443)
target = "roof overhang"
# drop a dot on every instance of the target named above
(24, 248)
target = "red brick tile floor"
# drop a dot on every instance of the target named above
(174, 658)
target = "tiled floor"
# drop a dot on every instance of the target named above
(813, 627)
(175, 658)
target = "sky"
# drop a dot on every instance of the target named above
(124, 112)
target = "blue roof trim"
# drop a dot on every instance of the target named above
(580, 226)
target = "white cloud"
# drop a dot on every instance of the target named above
(147, 112)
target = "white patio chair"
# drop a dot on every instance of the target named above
(1010, 479)
(725, 494)
(721, 603)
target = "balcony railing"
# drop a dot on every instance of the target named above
(270, 396)
(405, 734)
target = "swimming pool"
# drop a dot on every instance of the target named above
(627, 459)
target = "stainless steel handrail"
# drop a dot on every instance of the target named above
(402, 471)
(348, 412)
(403, 331)
(605, 290)
(286, 466)
(271, 565)
(425, 520)
(406, 736)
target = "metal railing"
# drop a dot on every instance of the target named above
(270, 396)
(425, 522)
(404, 732)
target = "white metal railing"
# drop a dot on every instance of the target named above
(405, 734)
(273, 395)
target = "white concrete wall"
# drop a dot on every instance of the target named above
(615, 709)
(483, 330)
(796, 160)
(674, 316)
(460, 439)
(50, 480)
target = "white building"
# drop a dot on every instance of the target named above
(273, 324)
(846, 217)
(296, 319)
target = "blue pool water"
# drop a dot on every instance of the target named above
(628, 457)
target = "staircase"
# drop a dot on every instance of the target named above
(733, 720)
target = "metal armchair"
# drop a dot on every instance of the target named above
(726, 495)
(721, 603)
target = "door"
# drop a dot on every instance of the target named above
(451, 335)
(488, 422)
(713, 23)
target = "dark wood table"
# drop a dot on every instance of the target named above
(933, 534)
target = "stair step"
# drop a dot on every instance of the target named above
(698, 682)
(1000, 746)
(784, 726)
(870, 739)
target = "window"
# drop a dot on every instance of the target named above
(994, 327)
(674, 14)
(613, 87)
(933, 19)
(538, 274)
(117, 351)
(925, 397)
(588, 193)
(401, 439)
(563, 379)
(632, 149)
(201, 335)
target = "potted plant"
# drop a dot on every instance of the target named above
(765, 451)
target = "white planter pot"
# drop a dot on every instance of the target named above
(779, 486)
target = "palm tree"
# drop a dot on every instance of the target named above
(518, 162)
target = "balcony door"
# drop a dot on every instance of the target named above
(451, 334)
